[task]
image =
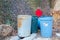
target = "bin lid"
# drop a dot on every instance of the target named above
(38, 12)
(46, 18)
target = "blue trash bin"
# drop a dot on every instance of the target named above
(46, 26)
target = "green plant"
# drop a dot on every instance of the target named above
(5, 9)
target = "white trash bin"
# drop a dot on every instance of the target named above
(24, 25)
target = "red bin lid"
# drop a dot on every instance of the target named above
(38, 12)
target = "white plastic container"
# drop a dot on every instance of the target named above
(24, 25)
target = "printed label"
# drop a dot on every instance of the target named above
(45, 24)
(20, 20)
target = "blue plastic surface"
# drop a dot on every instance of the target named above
(46, 26)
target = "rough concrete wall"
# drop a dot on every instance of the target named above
(45, 7)
(18, 7)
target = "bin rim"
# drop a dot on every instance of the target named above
(47, 18)
(23, 15)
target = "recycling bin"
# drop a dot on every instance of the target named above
(34, 24)
(24, 25)
(46, 26)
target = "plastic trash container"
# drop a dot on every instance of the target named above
(46, 26)
(34, 24)
(24, 25)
